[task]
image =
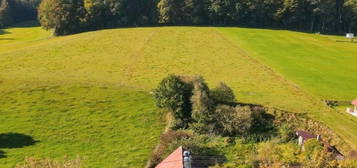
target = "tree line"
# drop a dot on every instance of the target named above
(72, 16)
(13, 11)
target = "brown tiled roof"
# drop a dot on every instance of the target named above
(174, 160)
(305, 135)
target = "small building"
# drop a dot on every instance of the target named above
(303, 136)
(177, 159)
(354, 103)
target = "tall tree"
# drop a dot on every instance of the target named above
(5, 16)
(351, 14)
(64, 16)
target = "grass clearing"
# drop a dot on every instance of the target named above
(322, 64)
(105, 126)
(94, 87)
(22, 35)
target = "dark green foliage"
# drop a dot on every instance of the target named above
(305, 15)
(173, 94)
(262, 121)
(231, 121)
(64, 16)
(209, 112)
(22, 10)
(286, 133)
(5, 14)
(223, 93)
(202, 104)
(182, 11)
(12, 11)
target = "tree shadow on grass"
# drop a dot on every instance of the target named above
(2, 154)
(7, 39)
(15, 140)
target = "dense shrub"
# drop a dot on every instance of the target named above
(315, 156)
(64, 16)
(232, 121)
(173, 94)
(165, 148)
(202, 104)
(269, 154)
(286, 133)
(223, 93)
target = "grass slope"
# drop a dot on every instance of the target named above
(120, 67)
(22, 35)
(105, 126)
(325, 65)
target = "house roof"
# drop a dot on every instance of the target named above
(305, 135)
(174, 160)
(354, 102)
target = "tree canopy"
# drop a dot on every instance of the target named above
(326, 16)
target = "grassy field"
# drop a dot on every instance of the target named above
(94, 87)
(324, 65)
(22, 35)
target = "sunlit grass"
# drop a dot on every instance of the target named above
(94, 87)
(22, 35)
(325, 65)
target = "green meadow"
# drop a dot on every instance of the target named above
(324, 65)
(88, 95)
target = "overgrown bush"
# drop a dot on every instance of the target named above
(173, 94)
(286, 133)
(223, 94)
(164, 148)
(317, 157)
(202, 107)
(232, 121)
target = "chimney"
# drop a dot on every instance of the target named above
(186, 159)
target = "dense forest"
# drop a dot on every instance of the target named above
(71, 16)
(13, 11)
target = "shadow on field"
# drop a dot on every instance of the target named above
(343, 41)
(3, 32)
(7, 39)
(2, 154)
(15, 140)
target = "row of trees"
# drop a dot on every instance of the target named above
(305, 15)
(12, 11)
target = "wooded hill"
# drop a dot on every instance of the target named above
(332, 16)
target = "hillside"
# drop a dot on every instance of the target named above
(324, 65)
(90, 91)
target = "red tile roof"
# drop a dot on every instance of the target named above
(354, 102)
(174, 160)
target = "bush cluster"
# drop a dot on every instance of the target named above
(251, 135)
(206, 111)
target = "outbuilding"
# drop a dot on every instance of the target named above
(354, 103)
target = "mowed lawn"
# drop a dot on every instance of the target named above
(95, 87)
(22, 35)
(322, 64)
